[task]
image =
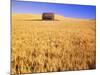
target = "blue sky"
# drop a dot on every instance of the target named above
(67, 10)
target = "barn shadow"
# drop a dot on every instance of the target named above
(40, 20)
(33, 20)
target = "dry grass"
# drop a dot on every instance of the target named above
(46, 46)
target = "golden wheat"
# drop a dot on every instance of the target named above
(46, 46)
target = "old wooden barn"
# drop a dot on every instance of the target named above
(48, 16)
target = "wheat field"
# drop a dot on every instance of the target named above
(65, 44)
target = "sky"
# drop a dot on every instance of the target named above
(66, 10)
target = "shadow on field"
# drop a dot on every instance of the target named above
(38, 20)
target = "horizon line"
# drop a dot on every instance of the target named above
(55, 14)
